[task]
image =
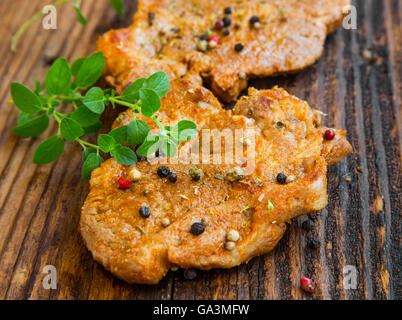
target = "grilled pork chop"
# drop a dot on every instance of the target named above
(226, 215)
(254, 39)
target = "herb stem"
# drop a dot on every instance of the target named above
(82, 142)
(126, 104)
(69, 98)
(159, 124)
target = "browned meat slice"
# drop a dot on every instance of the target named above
(257, 39)
(241, 216)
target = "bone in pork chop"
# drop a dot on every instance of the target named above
(225, 216)
(198, 39)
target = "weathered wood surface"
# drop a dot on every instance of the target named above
(40, 206)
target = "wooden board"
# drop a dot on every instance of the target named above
(40, 206)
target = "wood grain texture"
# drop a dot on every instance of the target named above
(40, 206)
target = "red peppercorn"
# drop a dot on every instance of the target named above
(307, 285)
(214, 39)
(123, 183)
(329, 134)
(219, 25)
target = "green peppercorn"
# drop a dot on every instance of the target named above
(235, 174)
(202, 45)
(195, 174)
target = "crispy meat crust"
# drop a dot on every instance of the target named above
(141, 250)
(290, 37)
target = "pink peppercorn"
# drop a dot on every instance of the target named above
(307, 285)
(123, 183)
(214, 39)
(329, 134)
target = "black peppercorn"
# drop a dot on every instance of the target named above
(190, 274)
(197, 228)
(205, 36)
(151, 18)
(313, 243)
(172, 177)
(308, 225)
(226, 21)
(280, 124)
(228, 10)
(163, 172)
(145, 212)
(238, 47)
(281, 178)
(226, 32)
(254, 19)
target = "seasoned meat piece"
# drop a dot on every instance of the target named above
(233, 211)
(197, 39)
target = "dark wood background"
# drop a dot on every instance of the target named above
(40, 206)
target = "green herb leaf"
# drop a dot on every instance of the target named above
(93, 128)
(87, 152)
(33, 127)
(76, 66)
(94, 100)
(158, 82)
(80, 16)
(58, 78)
(150, 145)
(118, 6)
(124, 155)
(168, 146)
(90, 71)
(106, 142)
(184, 130)
(131, 93)
(84, 116)
(92, 161)
(25, 99)
(49, 150)
(137, 131)
(38, 87)
(150, 102)
(24, 117)
(119, 134)
(71, 129)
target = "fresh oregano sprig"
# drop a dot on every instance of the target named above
(118, 5)
(64, 84)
